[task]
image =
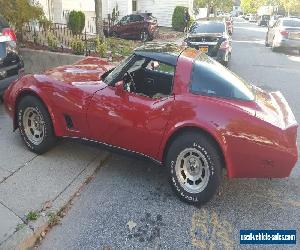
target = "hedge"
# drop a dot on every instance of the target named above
(76, 22)
(178, 18)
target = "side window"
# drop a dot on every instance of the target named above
(161, 67)
(215, 80)
(125, 19)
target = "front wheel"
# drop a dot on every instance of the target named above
(35, 125)
(195, 167)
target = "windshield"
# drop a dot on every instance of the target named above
(291, 23)
(207, 27)
(117, 70)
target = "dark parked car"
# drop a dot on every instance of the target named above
(11, 64)
(285, 34)
(138, 26)
(263, 20)
(212, 38)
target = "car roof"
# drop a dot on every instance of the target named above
(164, 52)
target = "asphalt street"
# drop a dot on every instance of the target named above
(130, 205)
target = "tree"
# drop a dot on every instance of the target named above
(99, 21)
(223, 5)
(19, 12)
(251, 6)
(290, 5)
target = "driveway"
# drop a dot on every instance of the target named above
(130, 205)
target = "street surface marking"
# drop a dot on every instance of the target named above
(274, 199)
(258, 29)
(209, 231)
(294, 58)
(245, 41)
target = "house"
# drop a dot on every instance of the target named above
(58, 10)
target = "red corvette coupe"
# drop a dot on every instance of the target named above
(174, 105)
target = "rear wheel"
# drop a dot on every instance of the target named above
(267, 41)
(35, 125)
(114, 34)
(274, 48)
(144, 36)
(195, 167)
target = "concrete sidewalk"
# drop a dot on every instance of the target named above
(37, 184)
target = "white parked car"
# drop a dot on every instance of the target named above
(252, 18)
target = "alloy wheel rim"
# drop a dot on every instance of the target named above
(192, 170)
(34, 125)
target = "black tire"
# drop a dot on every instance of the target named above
(266, 41)
(144, 36)
(274, 49)
(114, 34)
(201, 144)
(47, 137)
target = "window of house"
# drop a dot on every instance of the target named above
(134, 5)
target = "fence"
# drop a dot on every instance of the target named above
(38, 33)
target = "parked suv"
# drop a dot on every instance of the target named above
(142, 26)
(11, 64)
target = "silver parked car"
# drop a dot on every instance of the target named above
(285, 33)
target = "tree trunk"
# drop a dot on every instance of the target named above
(99, 21)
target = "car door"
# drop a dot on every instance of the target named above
(123, 28)
(136, 25)
(128, 120)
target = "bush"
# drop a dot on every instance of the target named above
(120, 47)
(101, 47)
(77, 46)
(52, 41)
(76, 22)
(178, 18)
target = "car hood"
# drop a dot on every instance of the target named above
(85, 72)
(273, 108)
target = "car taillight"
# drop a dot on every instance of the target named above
(224, 45)
(284, 33)
(9, 32)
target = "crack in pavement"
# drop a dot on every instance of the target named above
(18, 169)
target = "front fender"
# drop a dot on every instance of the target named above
(29, 85)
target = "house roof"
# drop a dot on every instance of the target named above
(164, 52)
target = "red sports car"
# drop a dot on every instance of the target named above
(172, 104)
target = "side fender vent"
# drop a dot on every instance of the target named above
(69, 121)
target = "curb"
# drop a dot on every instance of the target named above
(27, 236)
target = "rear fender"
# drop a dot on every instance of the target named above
(208, 129)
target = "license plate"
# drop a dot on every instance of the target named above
(203, 49)
(294, 35)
